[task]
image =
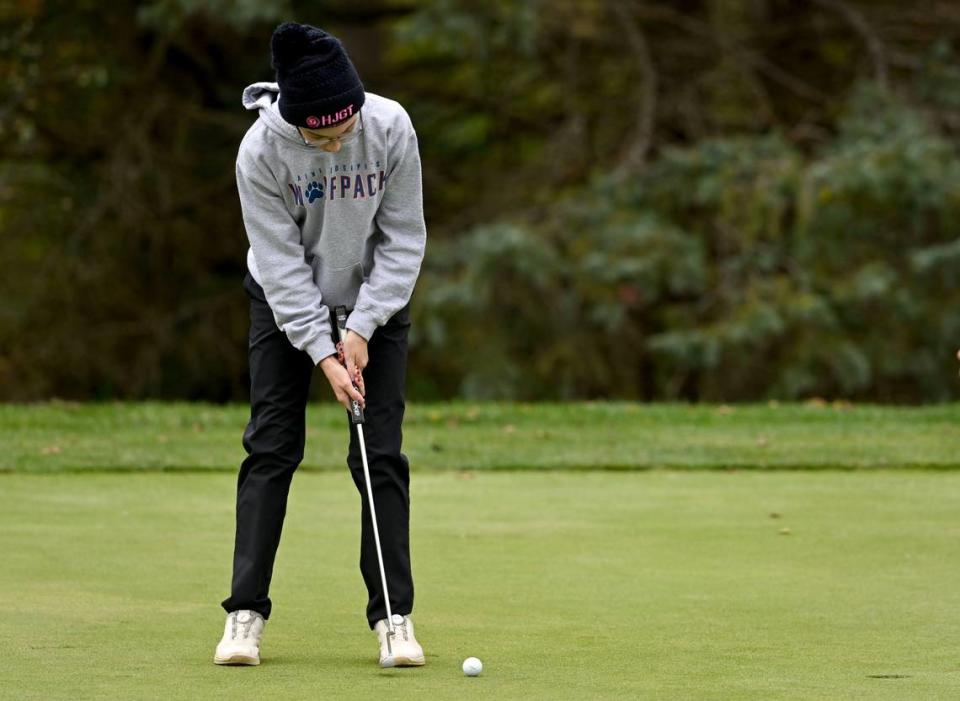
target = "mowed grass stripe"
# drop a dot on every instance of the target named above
(187, 437)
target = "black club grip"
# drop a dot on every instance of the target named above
(356, 411)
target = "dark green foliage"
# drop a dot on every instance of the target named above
(735, 269)
(715, 199)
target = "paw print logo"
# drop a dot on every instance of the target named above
(314, 191)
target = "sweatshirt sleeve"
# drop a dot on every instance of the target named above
(399, 252)
(287, 279)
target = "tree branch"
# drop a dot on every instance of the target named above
(860, 25)
(636, 153)
(749, 57)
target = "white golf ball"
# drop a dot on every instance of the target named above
(472, 666)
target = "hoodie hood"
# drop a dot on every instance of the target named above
(264, 98)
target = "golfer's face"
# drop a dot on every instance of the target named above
(329, 139)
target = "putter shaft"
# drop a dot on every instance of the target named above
(376, 537)
(357, 418)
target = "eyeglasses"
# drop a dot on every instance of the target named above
(346, 137)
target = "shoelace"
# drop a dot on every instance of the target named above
(245, 625)
(401, 629)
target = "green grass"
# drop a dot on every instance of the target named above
(583, 551)
(662, 584)
(584, 436)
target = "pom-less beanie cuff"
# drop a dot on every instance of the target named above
(324, 112)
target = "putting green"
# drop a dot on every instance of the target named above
(663, 584)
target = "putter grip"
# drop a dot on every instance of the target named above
(356, 411)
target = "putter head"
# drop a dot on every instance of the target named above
(389, 660)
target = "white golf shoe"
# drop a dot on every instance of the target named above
(406, 650)
(240, 644)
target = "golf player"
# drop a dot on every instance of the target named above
(330, 191)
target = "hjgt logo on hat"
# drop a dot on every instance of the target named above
(313, 122)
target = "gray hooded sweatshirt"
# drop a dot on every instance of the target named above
(330, 229)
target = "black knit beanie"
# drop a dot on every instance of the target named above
(319, 87)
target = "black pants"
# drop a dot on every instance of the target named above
(274, 441)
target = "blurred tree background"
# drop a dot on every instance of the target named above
(710, 200)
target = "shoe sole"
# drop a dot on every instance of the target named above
(237, 660)
(408, 662)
